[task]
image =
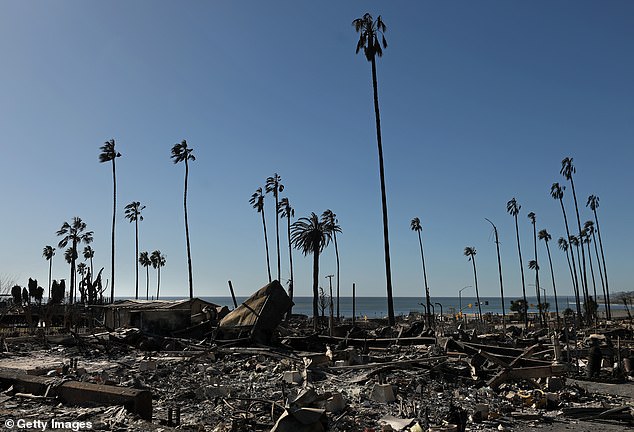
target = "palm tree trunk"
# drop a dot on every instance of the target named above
(386, 241)
(277, 234)
(594, 283)
(266, 245)
(147, 282)
(519, 251)
(50, 272)
(605, 269)
(114, 218)
(475, 278)
(158, 281)
(189, 252)
(497, 248)
(583, 254)
(596, 253)
(427, 299)
(334, 234)
(290, 257)
(72, 274)
(574, 267)
(136, 250)
(539, 299)
(552, 275)
(315, 287)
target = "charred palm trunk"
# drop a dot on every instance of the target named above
(266, 245)
(334, 234)
(147, 283)
(315, 287)
(519, 252)
(290, 258)
(277, 233)
(605, 269)
(596, 253)
(552, 275)
(136, 251)
(594, 284)
(583, 255)
(574, 267)
(158, 281)
(475, 278)
(427, 297)
(539, 299)
(114, 218)
(189, 253)
(386, 241)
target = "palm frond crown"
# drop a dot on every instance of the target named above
(310, 234)
(180, 152)
(108, 152)
(415, 225)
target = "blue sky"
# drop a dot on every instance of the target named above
(479, 101)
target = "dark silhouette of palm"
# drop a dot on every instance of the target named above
(257, 201)
(593, 203)
(470, 253)
(48, 253)
(311, 236)
(532, 265)
(274, 186)
(73, 233)
(286, 211)
(182, 153)
(133, 214)
(564, 246)
(89, 254)
(557, 192)
(546, 237)
(531, 217)
(416, 227)
(567, 170)
(369, 31)
(158, 260)
(497, 248)
(330, 218)
(109, 154)
(513, 208)
(145, 261)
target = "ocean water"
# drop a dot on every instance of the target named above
(376, 307)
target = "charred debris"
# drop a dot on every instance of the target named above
(194, 365)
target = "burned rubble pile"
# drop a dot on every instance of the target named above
(272, 374)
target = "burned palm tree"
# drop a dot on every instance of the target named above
(416, 227)
(531, 217)
(546, 237)
(286, 211)
(513, 208)
(593, 203)
(133, 214)
(48, 253)
(330, 218)
(274, 186)
(497, 247)
(257, 201)
(470, 253)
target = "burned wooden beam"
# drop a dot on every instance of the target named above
(73, 392)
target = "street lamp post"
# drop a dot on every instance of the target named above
(460, 295)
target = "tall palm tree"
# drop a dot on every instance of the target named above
(311, 236)
(158, 260)
(593, 203)
(546, 237)
(369, 31)
(73, 233)
(182, 153)
(589, 227)
(89, 254)
(587, 239)
(133, 214)
(330, 218)
(557, 192)
(109, 154)
(48, 253)
(286, 211)
(145, 261)
(416, 226)
(273, 185)
(513, 208)
(257, 201)
(567, 170)
(531, 217)
(470, 253)
(497, 247)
